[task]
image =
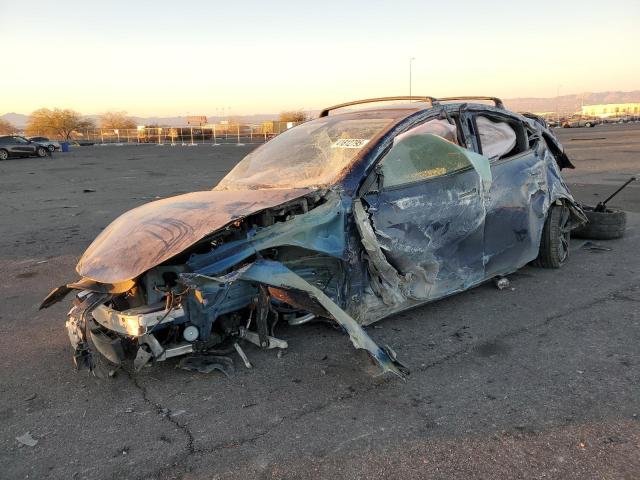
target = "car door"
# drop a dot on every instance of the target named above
(427, 213)
(516, 199)
(21, 146)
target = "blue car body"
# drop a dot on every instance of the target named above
(355, 250)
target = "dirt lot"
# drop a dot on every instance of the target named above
(539, 381)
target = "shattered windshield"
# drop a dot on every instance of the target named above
(309, 155)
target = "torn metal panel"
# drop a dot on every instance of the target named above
(388, 283)
(277, 275)
(558, 190)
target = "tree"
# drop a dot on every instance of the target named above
(118, 120)
(56, 122)
(6, 128)
(293, 116)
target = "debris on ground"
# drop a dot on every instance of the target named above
(595, 247)
(243, 355)
(501, 283)
(30, 397)
(88, 190)
(207, 364)
(27, 440)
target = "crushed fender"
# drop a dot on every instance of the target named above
(76, 325)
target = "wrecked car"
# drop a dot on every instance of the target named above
(375, 207)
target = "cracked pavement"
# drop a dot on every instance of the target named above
(537, 381)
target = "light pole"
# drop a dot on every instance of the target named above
(558, 104)
(410, 64)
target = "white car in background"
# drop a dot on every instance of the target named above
(52, 145)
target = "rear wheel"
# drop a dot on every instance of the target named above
(4, 154)
(51, 148)
(41, 152)
(554, 244)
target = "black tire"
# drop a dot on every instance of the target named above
(41, 152)
(554, 244)
(51, 148)
(3, 154)
(605, 225)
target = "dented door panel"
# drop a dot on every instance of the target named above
(516, 206)
(432, 232)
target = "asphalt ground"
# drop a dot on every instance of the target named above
(537, 381)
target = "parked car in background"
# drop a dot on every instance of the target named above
(580, 121)
(16, 146)
(52, 145)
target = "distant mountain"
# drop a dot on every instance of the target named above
(16, 119)
(570, 103)
(566, 104)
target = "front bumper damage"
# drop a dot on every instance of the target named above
(112, 331)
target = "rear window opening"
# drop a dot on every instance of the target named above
(499, 138)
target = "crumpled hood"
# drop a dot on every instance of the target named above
(152, 233)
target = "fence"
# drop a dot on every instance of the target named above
(218, 134)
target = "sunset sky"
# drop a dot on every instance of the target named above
(196, 57)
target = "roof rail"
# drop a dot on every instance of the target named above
(498, 103)
(325, 112)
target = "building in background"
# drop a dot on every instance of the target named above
(615, 110)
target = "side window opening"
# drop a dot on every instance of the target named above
(429, 150)
(499, 138)
(420, 156)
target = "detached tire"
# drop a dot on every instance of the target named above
(605, 225)
(556, 233)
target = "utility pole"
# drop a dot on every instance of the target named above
(410, 72)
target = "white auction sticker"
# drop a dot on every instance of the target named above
(350, 143)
